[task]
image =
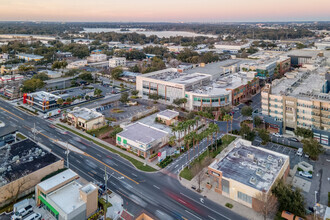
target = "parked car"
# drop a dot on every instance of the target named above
(277, 135)
(34, 216)
(22, 212)
(306, 155)
(293, 139)
(300, 152)
(305, 174)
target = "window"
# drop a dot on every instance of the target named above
(244, 197)
(125, 141)
(119, 139)
(225, 186)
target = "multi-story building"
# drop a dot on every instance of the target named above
(300, 99)
(85, 118)
(284, 65)
(93, 58)
(41, 101)
(12, 92)
(265, 68)
(29, 57)
(77, 64)
(117, 61)
(244, 172)
(66, 196)
(200, 89)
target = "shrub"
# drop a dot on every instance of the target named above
(299, 169)
(229, 205)
(165, 162)
(311, 172)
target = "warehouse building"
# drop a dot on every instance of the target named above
(244, 171)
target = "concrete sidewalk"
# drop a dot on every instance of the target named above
(109, 145)
(220, 199)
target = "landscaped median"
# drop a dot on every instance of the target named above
(205, 158)
(138, 164)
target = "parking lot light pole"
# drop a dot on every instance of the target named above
(315, 205)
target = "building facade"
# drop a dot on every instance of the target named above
(85, 118)
(41, 101)
(117, 61)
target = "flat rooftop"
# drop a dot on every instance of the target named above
(22, 158)
(168, 114)
(57, 179)
(252, 166)
(85, 113)
(42, 95)
(7, 130)
(301, 84)
(142, 133)
(67, 197)
(303, 53)
(32, 56)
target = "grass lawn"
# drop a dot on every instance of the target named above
(187, 173)
(139, 165)
(20, 136)
(100, 131)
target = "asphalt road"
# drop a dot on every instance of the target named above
(140, 190)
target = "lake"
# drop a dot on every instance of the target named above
(148, 33)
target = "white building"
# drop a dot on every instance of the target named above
(234, 46)
(93, 58)
(117, 61)
(86, 119)
(77, 64)
(29, 57)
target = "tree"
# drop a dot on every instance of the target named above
(289, 199)
(154, 96)
(257, 121)
(59, 64)
(42, 76)
(266, 204)
(227, 118)
(312, 148)
(124, 97)
(172, 140)
(246, 132)
(97, 92)
(86, 76)
(197, 171)
(134, 92)
(60, 101)
(264, 135)
(32, 85)
(116, 72)
(246, 111)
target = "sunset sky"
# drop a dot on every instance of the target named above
(169, 10)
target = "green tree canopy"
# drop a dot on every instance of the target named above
(116, 72)
(124, 97)
(246, 111)
(312, 148)
(32, 85)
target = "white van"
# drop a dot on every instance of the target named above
(300, 152)
(22, 213)
(34, 216)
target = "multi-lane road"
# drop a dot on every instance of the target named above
(159, 193)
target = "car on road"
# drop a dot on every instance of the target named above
(277, 135)
(305, 174)
(293, 139)
(300, 152)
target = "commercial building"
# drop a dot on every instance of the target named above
(117, 61)
(29, 57)
(200, 89)
(300, 57)
(265, 68)
(77, 64)
(300, 99)
(244, 171)
(85, 118)
(51, 74)
(66, 197)
(22, 165)
(12, 92)
(236, 45)
(322, 45)
(168, 117)
(142, 139)
(93, 58)
(41, 101)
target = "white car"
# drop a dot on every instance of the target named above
(300, 152)
(22, 212)
(277, 135)
(305, 174)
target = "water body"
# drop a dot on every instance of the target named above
(147, 33)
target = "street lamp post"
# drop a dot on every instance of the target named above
(67, 155)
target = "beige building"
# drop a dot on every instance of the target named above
(66, 197)
(242, 172)
(300, 99)
(168, 116)
(22, 165)
(85, 118)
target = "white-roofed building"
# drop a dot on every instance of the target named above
(66, 197)
(141, 138)
(86, 119)
(168, 116)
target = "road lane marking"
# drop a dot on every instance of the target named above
(156, 187)
(90, 174)
(134, 174)
(211, 217)
(11, 113)
(205, 206)
(193, 215)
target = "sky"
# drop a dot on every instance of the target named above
(168, 10)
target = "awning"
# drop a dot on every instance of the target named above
(47, 204)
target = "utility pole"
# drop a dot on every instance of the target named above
(105, 181)
(34, 131)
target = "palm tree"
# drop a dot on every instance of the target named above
(227, 118)
(214, 129)
(196, 120)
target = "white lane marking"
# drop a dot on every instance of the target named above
(205, 206)
(176, 166)
(211, 217)
(193, 215)
(134, 174)
(78, 161)
(99, 155)
(156, 187)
